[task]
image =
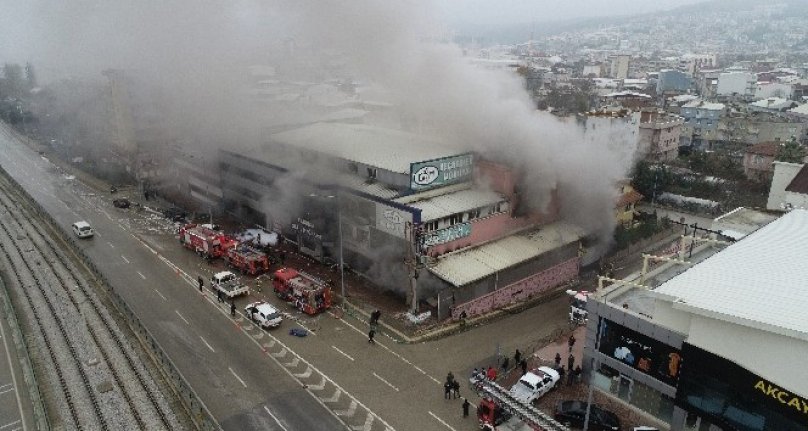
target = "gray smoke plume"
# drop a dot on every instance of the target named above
(195, 54)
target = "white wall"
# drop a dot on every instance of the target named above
(774, 89)
(783, 174)
(797, 200)
(774, 357)
(735, 82)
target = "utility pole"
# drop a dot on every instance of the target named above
(341, 260)
(413, 264)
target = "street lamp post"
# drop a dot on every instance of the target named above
(341, 260)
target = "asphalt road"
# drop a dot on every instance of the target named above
(251, 379)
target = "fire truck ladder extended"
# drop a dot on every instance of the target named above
(527, 413)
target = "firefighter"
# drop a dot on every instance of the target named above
(201, 282)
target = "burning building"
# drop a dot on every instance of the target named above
(413, 213)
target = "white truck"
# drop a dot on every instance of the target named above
(227, 283)
(534, 384)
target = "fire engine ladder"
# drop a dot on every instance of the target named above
(527, 413)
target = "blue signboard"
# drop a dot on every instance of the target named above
(449, 234)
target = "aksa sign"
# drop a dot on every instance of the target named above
(441, 172)
(392, 220)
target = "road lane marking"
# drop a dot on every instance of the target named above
(182, 317)
(10, 424)
(141, 275)
(161, 295)
(275, 419)
(6, 391)
(441, 421)
(110, 244)
(124, 259)
(209, 346)
(237, 377)
(343, 353)
(403, 359)
(385, 382)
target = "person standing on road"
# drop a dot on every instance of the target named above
(571, 341)
(219, 295)
(557, 360)
(570, 361)
(517, 357)
(447, 390)
(201, 282)
(371, 334)
(491, 373)
(455, 389)
(233, 307)
(466, 406)
(523, 364)
(505, 364)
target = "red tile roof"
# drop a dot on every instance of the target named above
(800, 182)
(764, 149)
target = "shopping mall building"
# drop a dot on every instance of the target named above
(714, 336)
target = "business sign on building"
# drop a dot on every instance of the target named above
(449, 234)
(392, 220)
(733, 397)
(441, 172)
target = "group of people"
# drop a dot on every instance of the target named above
(219, 296)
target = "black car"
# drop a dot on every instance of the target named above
(121, 203)
(175, 214)
(574, 413)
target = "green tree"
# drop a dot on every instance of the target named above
(791, 151)
(651, 180)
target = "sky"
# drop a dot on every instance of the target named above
(498, 12)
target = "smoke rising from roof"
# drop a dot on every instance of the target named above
(197, 54)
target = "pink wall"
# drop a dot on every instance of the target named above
(521, 290)
(498, 226)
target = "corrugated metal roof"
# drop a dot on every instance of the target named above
(438, 207)
(388, 149)
(760, 281)
(466, 266)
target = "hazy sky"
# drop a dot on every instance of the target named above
(520, 11)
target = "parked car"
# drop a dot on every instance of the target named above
(264, 314)
(534, 384)
(175, 214)
(82, 229)
(121, 203)
(574, 413)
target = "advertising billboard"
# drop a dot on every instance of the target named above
(441, 172)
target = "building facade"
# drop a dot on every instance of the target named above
(660, 134)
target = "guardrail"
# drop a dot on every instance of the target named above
(197, 410)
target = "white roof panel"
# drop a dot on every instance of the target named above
(466, 266)
(388, 149)
(438, 207)
(760, 281)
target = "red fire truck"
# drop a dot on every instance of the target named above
(499, 410)
(206, 241)
(309, 294)
(247, 259)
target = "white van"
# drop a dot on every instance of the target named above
(82, 229)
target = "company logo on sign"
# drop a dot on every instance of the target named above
(426, 175)
(393, 217)
(441, 172)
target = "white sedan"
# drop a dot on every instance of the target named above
(264, 314)
(534, 384)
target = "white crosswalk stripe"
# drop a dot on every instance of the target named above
(334, 398)
(367, 426)
(320, 386)
(280, 354)
(350, 412)
(292, 363)
(304, 374)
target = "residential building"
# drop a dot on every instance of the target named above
(671, 82)
(592, 71)
(701, 122)
(615, 127)
(758, 159)
(711, 334)
(660, 134)
(736, 83)
(625, 206)
(767, 90)
(619, 66)
(631, 100)
(756, 127)
(789, 187)
(772, 104)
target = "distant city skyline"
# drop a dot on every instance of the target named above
(503, 12)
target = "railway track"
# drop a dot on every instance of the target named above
(101, 381)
